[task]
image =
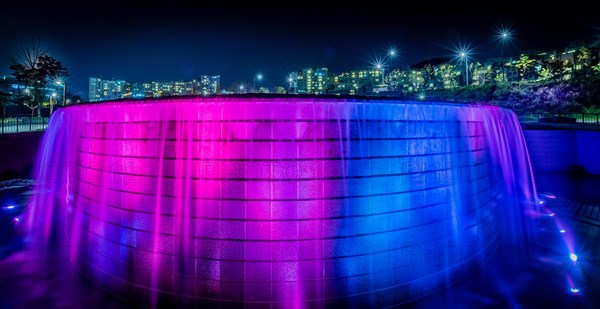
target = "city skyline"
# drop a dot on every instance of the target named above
(150, 44)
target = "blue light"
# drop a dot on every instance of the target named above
(575, 290)
(552, 214)
(563, 231)
(541, 202)
(573, 257)
(8, 207)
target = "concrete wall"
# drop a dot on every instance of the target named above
(17, 153)
(559, 151)
(325, 203)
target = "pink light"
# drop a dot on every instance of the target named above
(280, 201)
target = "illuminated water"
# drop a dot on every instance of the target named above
(292, 202)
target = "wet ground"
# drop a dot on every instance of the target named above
(547, 276)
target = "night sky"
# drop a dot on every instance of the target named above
(179, 42)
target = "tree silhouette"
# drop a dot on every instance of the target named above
(32, 66)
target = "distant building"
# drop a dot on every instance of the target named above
(312, 81)
(209, 84)
(95, 89)
(356, 82)
(100, 89)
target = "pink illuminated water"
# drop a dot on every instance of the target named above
(280, 201)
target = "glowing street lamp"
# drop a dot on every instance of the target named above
(290, 80)
(379, 65)
(463, 57)
(392, 52)
(51, 102)
(258, 77)
(463, 54)
(64, 85)
(242, 89)
(504, 36)
(382, 69)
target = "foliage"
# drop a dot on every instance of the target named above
(32, 66)
(525, 66)
(556, 96)
(596, 68)
(545, 74)
(584, 57)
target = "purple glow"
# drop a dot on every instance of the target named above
(293, 202)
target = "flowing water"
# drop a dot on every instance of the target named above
(282, 201)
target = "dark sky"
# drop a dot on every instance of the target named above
(176, 41)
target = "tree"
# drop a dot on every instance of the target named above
(584, 58)
(481, 74)
(33, 67)
(448, 75)
(545, 74)
(428, 74)
(596, 68)
(525, 66)
(31, 105)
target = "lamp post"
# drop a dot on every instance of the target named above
(258, 77)
(241, 88)
(463, 55)
(290, 81)
(504, 36)
(51, 102)
(64, 85)
(380, 67)
(392, 52)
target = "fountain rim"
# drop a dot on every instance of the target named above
(321, 98)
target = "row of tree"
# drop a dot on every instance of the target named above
(581, 94)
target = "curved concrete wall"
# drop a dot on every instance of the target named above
(559, 151)
(290, 202)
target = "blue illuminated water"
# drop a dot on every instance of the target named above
(282, 201)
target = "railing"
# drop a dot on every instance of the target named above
(22, 123)
(566, 121)
(561, 121)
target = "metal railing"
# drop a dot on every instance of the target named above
(561, 121)
(540, 121)
(22, 123)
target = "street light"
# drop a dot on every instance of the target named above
(392, 52)
(51, 102)
(290, 80)
(462, 52)
(504, 36)
(258, 77)
(379, 64)
(64, 85)
(241, 88)
(463, 56)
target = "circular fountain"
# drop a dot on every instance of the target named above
(285, 201)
